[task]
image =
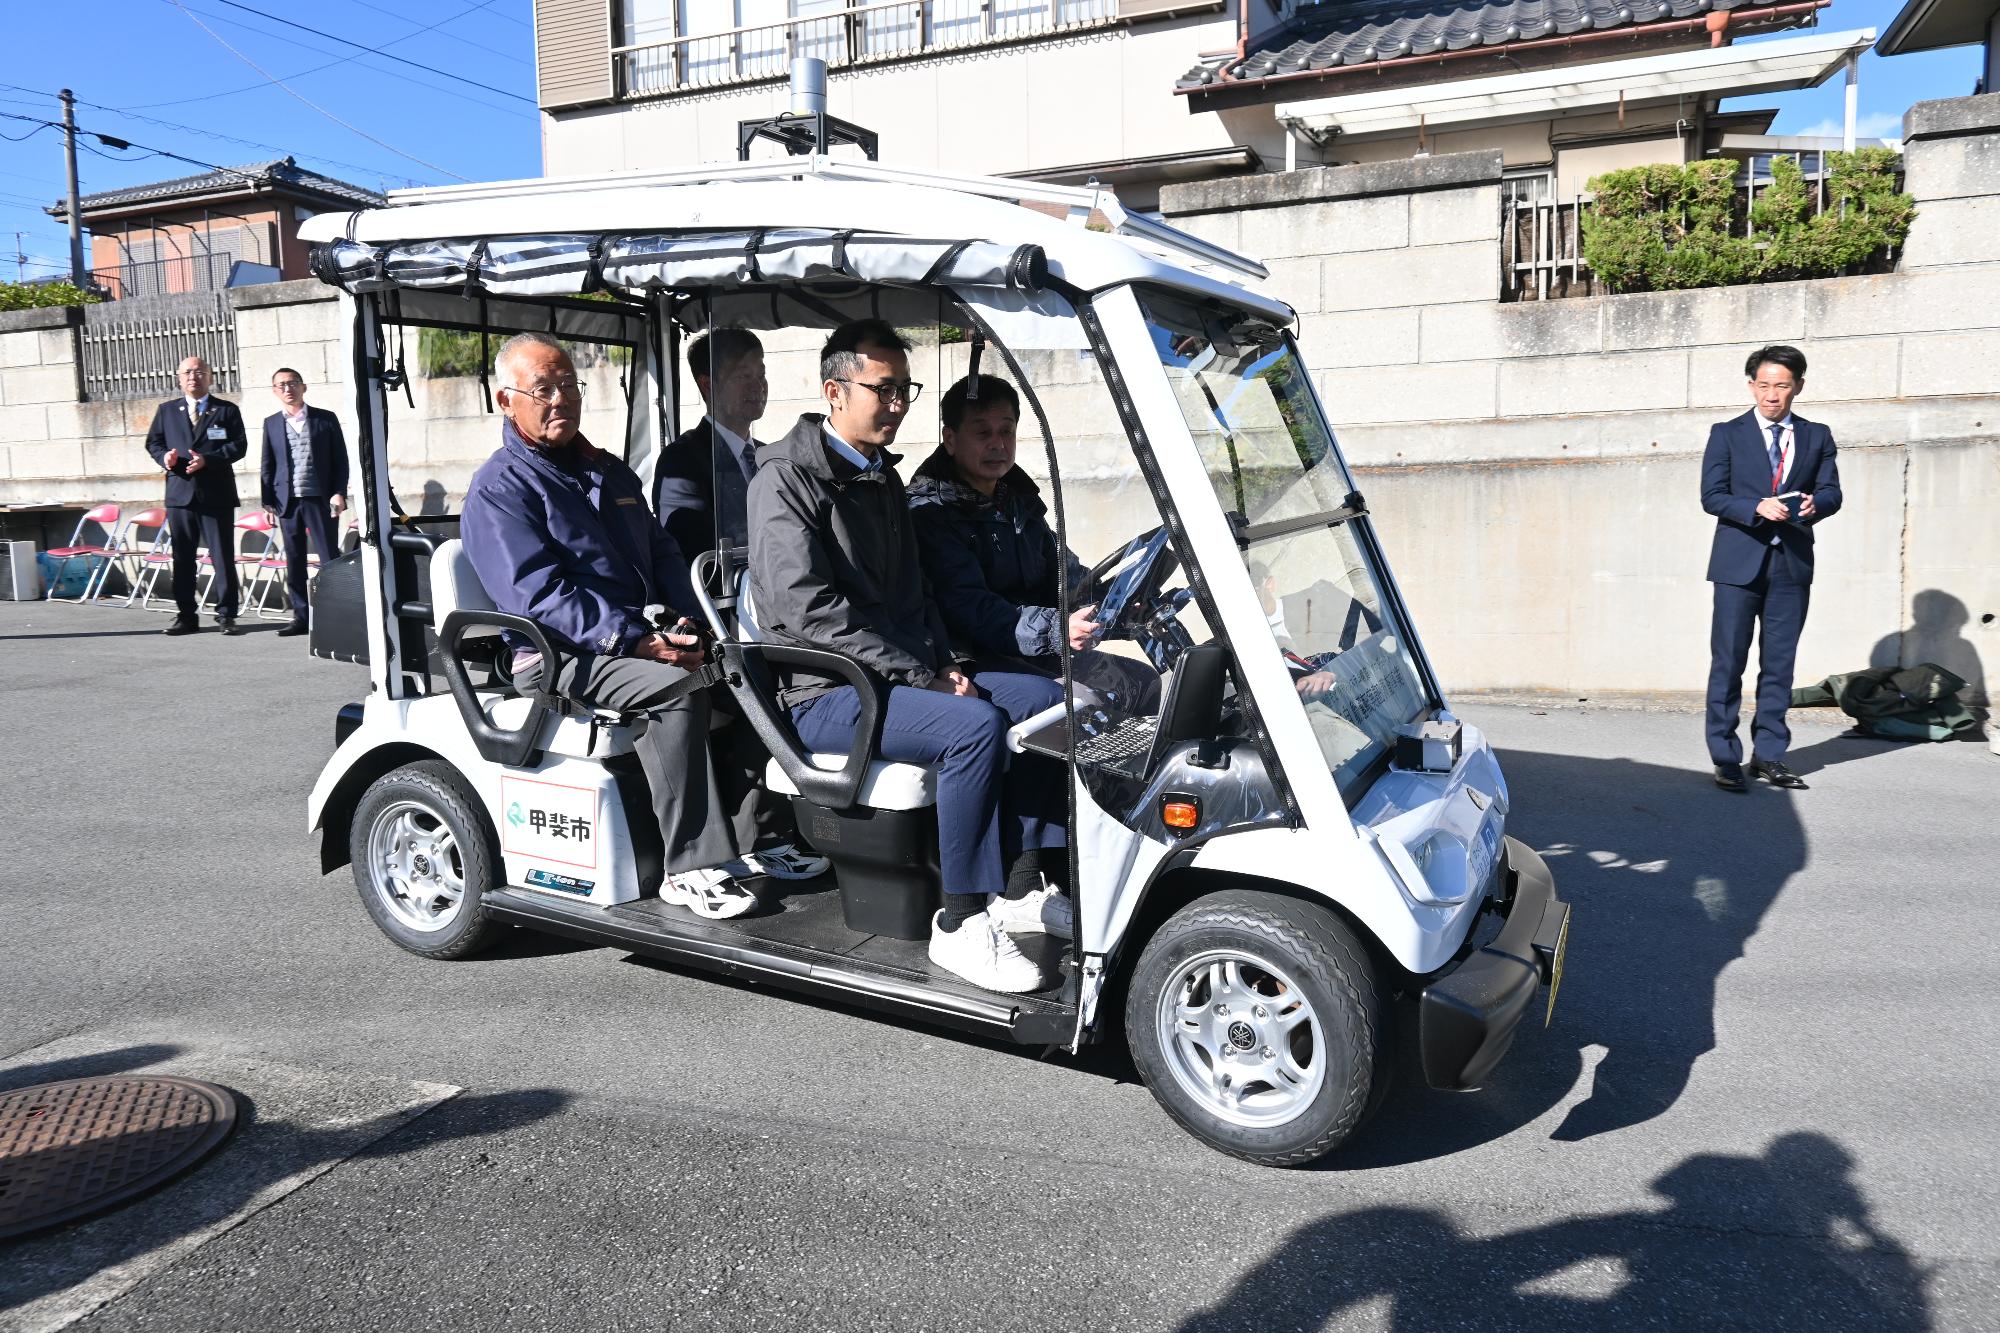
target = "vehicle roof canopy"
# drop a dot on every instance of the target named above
(793, 226)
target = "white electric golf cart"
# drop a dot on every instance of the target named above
(1286, 858)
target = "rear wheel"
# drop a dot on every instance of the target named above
(422, 851)
(1257, 1022)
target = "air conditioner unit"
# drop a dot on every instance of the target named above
(20, 576)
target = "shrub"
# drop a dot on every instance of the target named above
(36, 295)
(1665, 227)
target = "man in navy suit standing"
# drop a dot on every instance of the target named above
(198, 439)
(1767, 476)
(304, 483)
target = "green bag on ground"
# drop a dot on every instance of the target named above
(1918, 703)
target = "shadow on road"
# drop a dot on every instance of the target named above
(1780, 1240)
(85, 634)
(1667, 877)
(261, 1162)
(95, 1065)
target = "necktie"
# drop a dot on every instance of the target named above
(749, 457)
(1777, 455)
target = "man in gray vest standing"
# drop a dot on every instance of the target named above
(304, 483)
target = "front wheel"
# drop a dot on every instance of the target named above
(423, 860)
(1257, 1022)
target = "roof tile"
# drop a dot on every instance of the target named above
(1356, 32)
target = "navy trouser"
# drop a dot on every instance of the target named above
(988, 809)
(193, 528)
(306, 514)
(1776, 597)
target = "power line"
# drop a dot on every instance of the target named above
(452, 36)
(432, 166)
(341, 60)
(225, 138)
(370, 50)
(304, 45)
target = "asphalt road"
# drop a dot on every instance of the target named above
(1765, 1101)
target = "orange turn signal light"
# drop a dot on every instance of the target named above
(1180, 814)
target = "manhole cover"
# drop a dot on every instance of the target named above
(71, 1149)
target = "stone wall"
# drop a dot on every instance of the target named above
(1536, 466)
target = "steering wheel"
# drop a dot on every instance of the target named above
(1126, 602)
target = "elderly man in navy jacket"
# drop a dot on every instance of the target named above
(1767, 476)
(559, 532)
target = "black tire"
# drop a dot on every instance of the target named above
(1280, 1120)
(450, 840)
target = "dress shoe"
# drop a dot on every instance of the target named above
(1729, 777)
(1775, 773)
(293, 630)
(182, 625)
(229, 626)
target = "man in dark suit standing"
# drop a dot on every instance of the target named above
(1767, 476)
(198, 439)
(304, 482)
(704, 477)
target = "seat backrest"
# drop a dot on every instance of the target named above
(454, 583)
(104, 516)
(747, 628)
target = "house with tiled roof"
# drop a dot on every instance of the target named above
(222, 228)
(1144, 93)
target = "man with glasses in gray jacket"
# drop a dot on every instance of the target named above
(834, 565)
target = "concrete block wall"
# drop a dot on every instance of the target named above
(1536, 466)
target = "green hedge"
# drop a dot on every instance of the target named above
(1667, 227)
(36, 295)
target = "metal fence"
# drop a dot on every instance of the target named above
(850, 35)
(132, 348)
(165, 277)
(1542, 239)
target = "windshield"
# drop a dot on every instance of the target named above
(1271, 460)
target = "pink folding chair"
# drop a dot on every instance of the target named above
(262, 571)
(106, 517)
(240, 554)
(152, 561)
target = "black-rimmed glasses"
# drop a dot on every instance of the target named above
(895, 391)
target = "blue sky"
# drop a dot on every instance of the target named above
(377, 122)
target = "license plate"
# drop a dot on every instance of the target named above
(1556, 971)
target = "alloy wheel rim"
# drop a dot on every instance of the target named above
(418, 869)
(1241, 1038)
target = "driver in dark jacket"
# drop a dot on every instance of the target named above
(835, 565)
(993, 560)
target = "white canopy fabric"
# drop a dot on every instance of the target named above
(682, 262)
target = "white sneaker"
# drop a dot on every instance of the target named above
(784, 862)
(710, 893)
(980, 952)
(1043, 912)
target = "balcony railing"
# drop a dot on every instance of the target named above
(855, 35)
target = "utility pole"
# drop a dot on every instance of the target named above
(20, 258)
(76, 273)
